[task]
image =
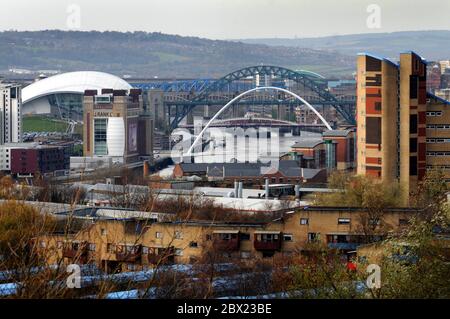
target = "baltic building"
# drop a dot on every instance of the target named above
(116, 125)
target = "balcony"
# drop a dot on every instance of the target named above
(76, 251)
(160, 255)
(348, 241)
(129, 255)
(343, 246)
(267, 241)
(226, 240)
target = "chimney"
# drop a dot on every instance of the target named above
(146, 169)
(241, 186)
(266, 188)
(236, 189)
(297, 191)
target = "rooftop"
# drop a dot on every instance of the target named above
(337, 133)
(307, 143)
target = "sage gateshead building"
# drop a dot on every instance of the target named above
(62, 95)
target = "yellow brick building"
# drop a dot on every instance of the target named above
(133, 244)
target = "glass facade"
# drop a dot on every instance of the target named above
(68, 105)
(330, 154)
(100, 128)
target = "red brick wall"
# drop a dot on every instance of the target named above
(24, 161)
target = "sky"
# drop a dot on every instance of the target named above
(228, 19)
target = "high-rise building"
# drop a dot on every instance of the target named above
(445, 64)
(412, 119)
(401, 129)
(116, 125)
(433, 77)
(156, 107)
(438, 135)
(377, 107)
(10, 113)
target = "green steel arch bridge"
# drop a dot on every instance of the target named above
(314, 82)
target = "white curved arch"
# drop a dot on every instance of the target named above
(73, 82)
(247, 92)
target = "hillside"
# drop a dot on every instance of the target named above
(432, 45)
(154, 54)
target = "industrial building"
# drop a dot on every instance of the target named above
(253, 174)
(335, 149)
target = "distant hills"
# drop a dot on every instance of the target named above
(432, 45)
(141, 54)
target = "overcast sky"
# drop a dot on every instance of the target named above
(226, 19)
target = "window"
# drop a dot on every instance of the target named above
(145, 250)
(159, 235)
(343, 221)
(131, 267)
(245, 236)
(413, 86)
(178, 252)
(42, 244)
(304, 221)
(178, 235)
(103, 232)
(129, 249)
(338, 239)
(59, 244)
(288, 237)
(413, 145)
(413, 124)
(100, 128)
(245, 254)
(413, 165)
(208, 237)
(193, 244)
(373, 125)
(110, 248)
(91, 247)
(267, 237)
(312, 237)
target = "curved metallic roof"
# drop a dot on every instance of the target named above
(73, 82)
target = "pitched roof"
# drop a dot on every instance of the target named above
(337, 133)
(307, 143)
